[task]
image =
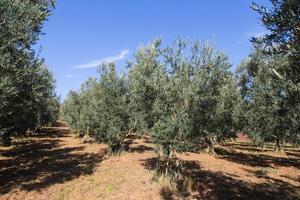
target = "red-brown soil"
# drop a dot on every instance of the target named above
(56, 165)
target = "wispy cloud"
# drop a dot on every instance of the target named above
(69, 76)
(108, 59)
(257, 33)
(246, 36)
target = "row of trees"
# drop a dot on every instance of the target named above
(27, 98)
(181, 95)
(185, 95)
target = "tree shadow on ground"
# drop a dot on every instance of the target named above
(293, 178)
(53, 132)
(291, 149)
(256, 160)
(291, 153)
(196, 183)
(35, 164)
(140, 148)
(131, 145)
(247, 146)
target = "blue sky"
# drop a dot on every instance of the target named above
(82, 33)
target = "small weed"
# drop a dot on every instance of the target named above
(63, 193)
(110, 188)
(264, 171)
(91, 179)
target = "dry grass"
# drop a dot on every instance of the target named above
(55, 165)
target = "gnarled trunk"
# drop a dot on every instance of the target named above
(210, 147)
(278, 145)
(5, 140)
(262, 147)
(115, 148)
(166, 151)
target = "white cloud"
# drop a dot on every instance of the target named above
(257, 34)
(69, 76)
(245, 38)
(108, 59)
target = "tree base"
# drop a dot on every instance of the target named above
(210, 150)
(278, 146)
(278, 149)
(6, 142)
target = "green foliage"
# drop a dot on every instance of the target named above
(71, 110)
(182, 96)
(100, 108)
(26, 86)
(199, 98)
(112, 107)
(270, 116)
(283, 24)
(142, 82)
(281, 47)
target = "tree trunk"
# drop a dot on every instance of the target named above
(5, 140)
(278, 145)
(166, 151)
(262, 147)
(115, 148)
(210, 148)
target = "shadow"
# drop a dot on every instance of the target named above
(166, 193)
(296, 179)
(247, 146)
(131, 145)
(60, 124)
(126, 144)
(147, 140)
(264, 173)
(140, 149)
(196, 183)
(254, 149)
(53, 132)
(289, 153)
(256, 160)
(293, 150)
(35, 164)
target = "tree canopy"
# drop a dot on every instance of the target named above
(280, 50)
(183, 95)
(26, 86)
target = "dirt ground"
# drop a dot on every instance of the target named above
(56, 165)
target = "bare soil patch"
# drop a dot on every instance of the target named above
(56, 165)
